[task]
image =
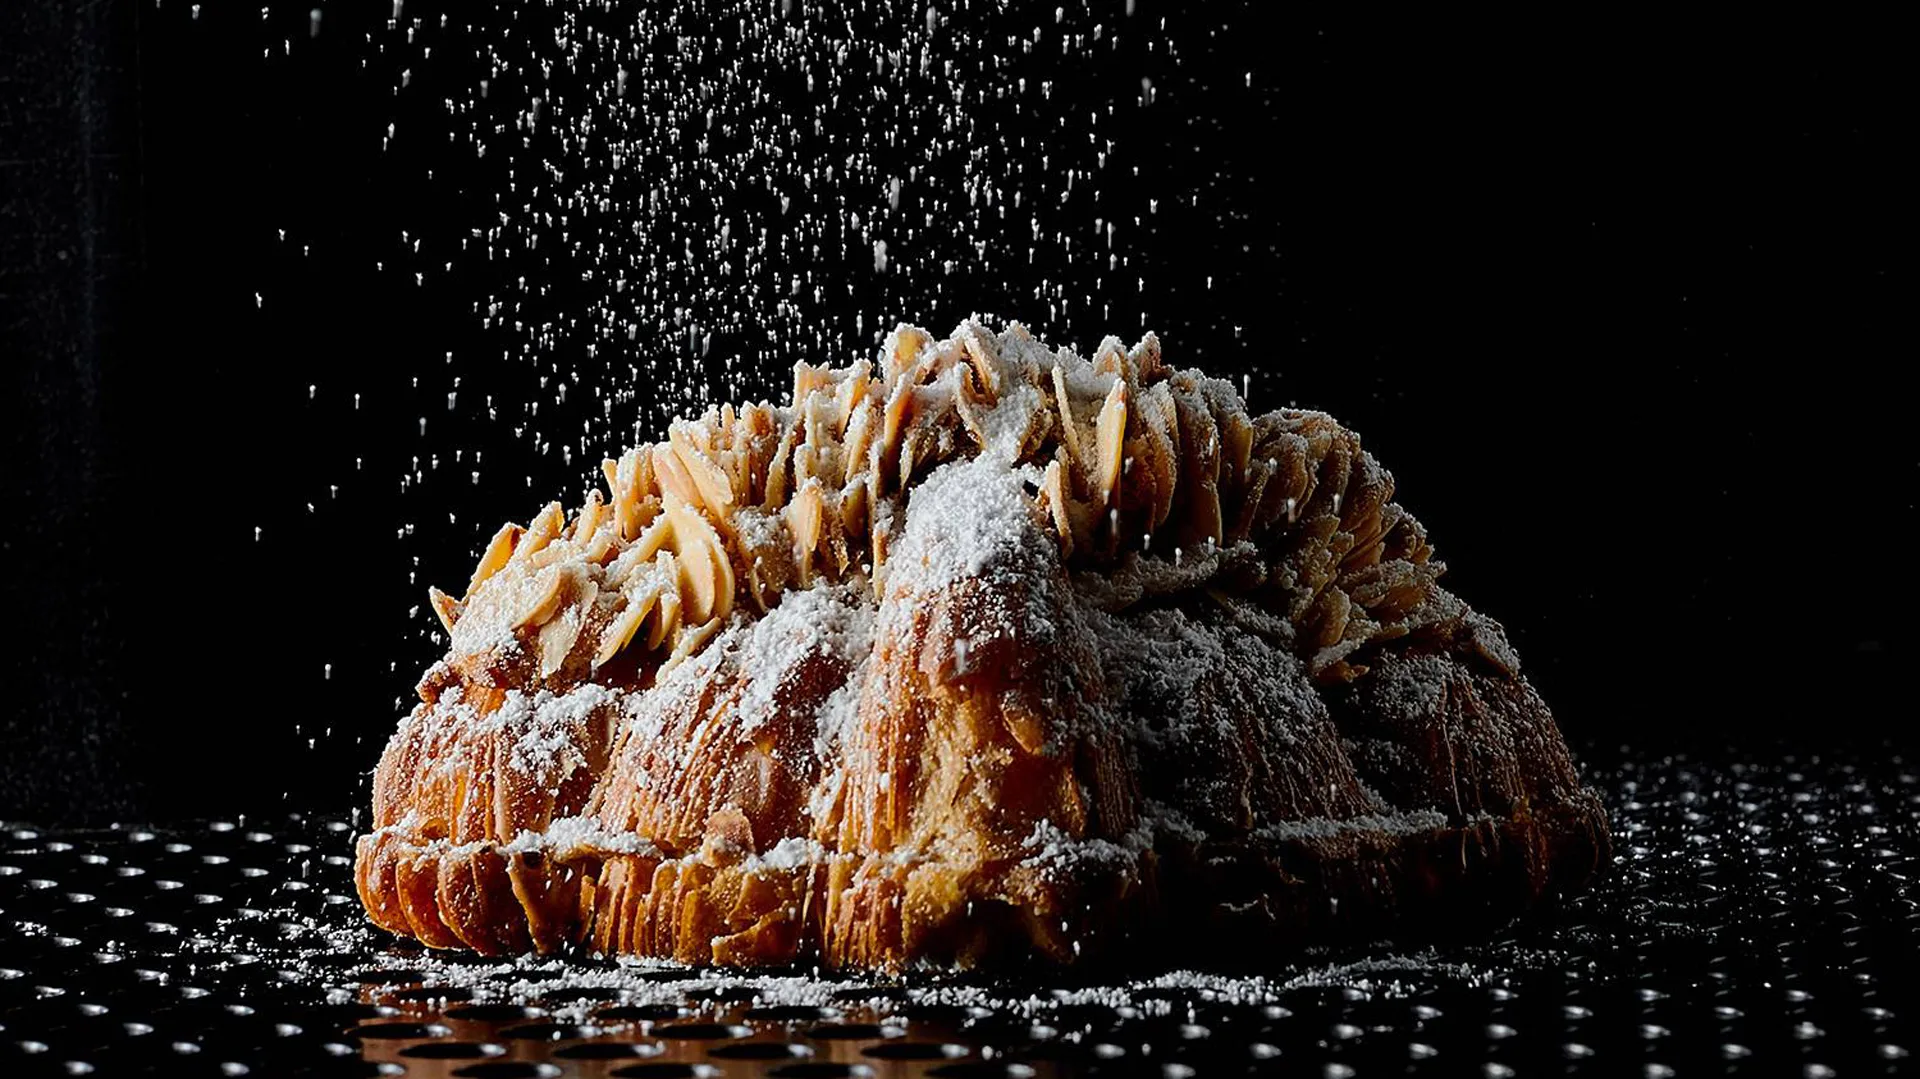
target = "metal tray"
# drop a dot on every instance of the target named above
(1760, 918)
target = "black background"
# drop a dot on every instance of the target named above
(1613, 300)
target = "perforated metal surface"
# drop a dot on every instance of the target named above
(1761, 918)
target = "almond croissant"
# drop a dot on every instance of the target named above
(983, 654)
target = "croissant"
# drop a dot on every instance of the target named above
(978, 654)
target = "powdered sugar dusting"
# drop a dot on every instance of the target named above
(969, 519)
(832, 620)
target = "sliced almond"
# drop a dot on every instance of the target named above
(587, 521)
(1236, 446)
(657, 535)
(445, 607)
(1111, 359)
(1253, 491)
(778, 468)
(716, 489)
(734, 467)
(1145, 359)
(1053, 493)
(816, 419)
(674, 480)
(499, 549)
(1199, 469)
(543, 598)
(909, 453)
(903, 351)
(1069, 426)
(754, 441)
(969, 409)
(625, 483)
(876, 546)
(705, 569)
(860, 432)
(806, 379)
(1162, 428)
(541, 531)
(610, 469)
(560, 550)
(853, 506)
(833, 526)
(984, 351)
(689, 641)
(602, 544)
(803, 516)
(613, 639)
(1109, 435)
(556, 639)
(697, 585)
(898, 411)
(851, 393)
(666, 614)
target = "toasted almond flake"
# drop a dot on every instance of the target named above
(560, 550)
(860, 432)
(734, 465)
(705, 571)
(1162, 428)
(602, 544)
(614, 639)
(1069, 428)
(908, 342)
(557, 637)
(1053, 493)
(716, 490)
(1110, 439)
(899, 409)
(1259, 473)
(803, 516)
(816, 420)
(674, 480)
(657, 535)
(499, 549)
(688, 642)
(587, 521)
(541, 531)
(969, 409)
(544, 598)
(778, 468)
(623, 482)
(850, 394)
(806, 379)
(1145, 359)
(444, 606)
(1236, 444)
(697, 586)
(876, 545)
(1199, 469)
(666, 614)
(909, 452)
(1111, 359)
(853, 507)
(985, 354)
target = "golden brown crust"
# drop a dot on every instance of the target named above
(990, 653)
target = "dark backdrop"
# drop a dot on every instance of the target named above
(1614, 301)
